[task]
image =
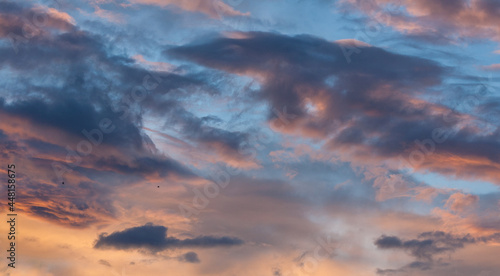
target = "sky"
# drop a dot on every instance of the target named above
(238, 137)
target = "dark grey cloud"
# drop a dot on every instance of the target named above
(292, 63)
(417, 265)
(154, 238)
(144, 166)
(426, 247)
(388, 271)
(73, 116)
(189, 257)
(385, 242)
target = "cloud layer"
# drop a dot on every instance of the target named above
(272, 137)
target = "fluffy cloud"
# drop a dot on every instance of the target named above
(459, 202)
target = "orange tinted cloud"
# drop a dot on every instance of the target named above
(459, 202)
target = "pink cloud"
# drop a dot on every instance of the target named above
(459, 202)
(34, 21)
(434, 18)
(492, 67)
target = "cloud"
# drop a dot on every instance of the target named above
(422, 266)
(492, 67)
(20, 20)
(359, 103)
(459, 202)
(154, 238)
(105, 263)
(430, 19)
(189, 257)
(75, 84)
(228, 146)
(214, 9)
(427, 246)
(386, 242)
(366, 104)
